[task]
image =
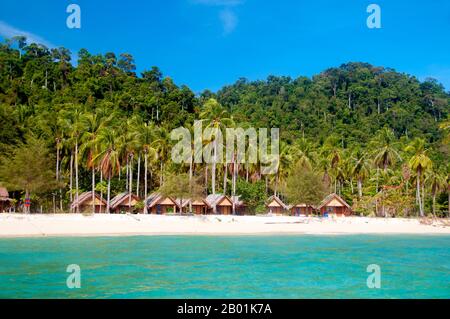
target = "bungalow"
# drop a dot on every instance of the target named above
(199, 206)
(334, 204)
(5, 201)
(221, 203)
(301, 209)
(122, 203)
(275, 205)
(86, 201)
(158, 204)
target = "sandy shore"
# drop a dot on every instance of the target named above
(22, 225)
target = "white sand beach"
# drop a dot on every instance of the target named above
(29, 225)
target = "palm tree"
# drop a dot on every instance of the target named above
(89, 147)
(360, 169)
(131, 144)
(419, 162)
(385, 152)
(438, 182)
(163, 146)
(72, 121)
(146, 137)
(109, 155)
(216, 118)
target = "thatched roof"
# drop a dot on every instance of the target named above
(122, 199)
(301, 205)
(330, 198)
(215, 199)
(155, 198)
(278, 200)
(86, 197)
(187, 201)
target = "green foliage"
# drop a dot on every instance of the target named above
(351, 125)
(253, 194)
(29, 168)
(304, 186)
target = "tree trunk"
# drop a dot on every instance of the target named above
(76, 176)
(418, 193)
(161, 180)
(71, 180)
(131, 183)
(213, 169)
(145, 175)
(190, 181)
(206, 179)
(359, 187)
(234, 182)
(225, 176)
(434, 204)
(127, 186)
(109, 193)
(93, 190)
(138, 174)
(101, 191)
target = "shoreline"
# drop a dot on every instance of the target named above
(109, 225)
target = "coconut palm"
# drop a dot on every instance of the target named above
(360, 169)
(438, 183)
(89, 147)
(420, 163)
(215, 117)
(73, 122)
(109, 155)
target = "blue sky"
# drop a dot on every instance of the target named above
(206, 44)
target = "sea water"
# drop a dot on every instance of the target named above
(306, 266)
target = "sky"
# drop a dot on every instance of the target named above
(206, 44)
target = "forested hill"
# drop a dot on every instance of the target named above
(352, 102)
(356, 129)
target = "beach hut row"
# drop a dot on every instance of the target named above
(332, 204)
(158, 204)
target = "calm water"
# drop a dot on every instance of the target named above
(226, 267)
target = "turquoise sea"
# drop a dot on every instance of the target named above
(226, 267)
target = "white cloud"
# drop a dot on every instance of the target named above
(229, 20)
(9, 31)
(227, 16)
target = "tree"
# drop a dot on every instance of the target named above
(217, 119)
(110, 151)
(438, 183)
(419, 162)
(360, 169)
(304, 186)
(181, 187)
(29, 168)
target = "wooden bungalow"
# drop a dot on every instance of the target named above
(301, 209)
(219, 204)
(158, 204)
(275, 205)
(199, 206)
(5, 201)
(334, 204)
(85, 202)
(122, 203)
